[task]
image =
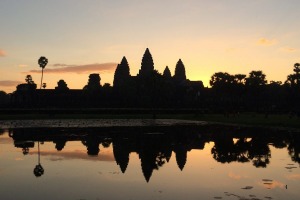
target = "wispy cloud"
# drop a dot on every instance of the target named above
(293, 177)
(265, 42)
(272, 184)
(9, 83)
(5, 140)
(70, 155)
(236, 176)
(79, 69)
(22, 65)
(288, 49)
(2, 53)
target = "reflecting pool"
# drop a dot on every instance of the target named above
(149, 162)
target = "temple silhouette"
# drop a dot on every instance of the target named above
(151, 90)
(147, 89)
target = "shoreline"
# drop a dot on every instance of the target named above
(128, 123)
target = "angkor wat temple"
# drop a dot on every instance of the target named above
(148, 89)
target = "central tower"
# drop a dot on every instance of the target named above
(147, 65)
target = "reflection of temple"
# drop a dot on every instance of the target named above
(155, 145)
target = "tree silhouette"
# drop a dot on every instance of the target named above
(292, 85)
(43, 61)
(240, 78)
(221, 80)
(44, 85)
(29, 80)
(293, 80)
(256, 79)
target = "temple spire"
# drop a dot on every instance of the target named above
(179, 72)
(147, 65)
(122, 73)
(167, 73)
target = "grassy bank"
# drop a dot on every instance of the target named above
(253, 119)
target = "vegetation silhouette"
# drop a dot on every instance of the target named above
(43, 61)
(38, 170)
(156, 145)
(150, 90)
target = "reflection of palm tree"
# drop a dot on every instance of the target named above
(43, 61)
(38, 170)
(60, 144)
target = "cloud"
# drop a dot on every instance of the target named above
(71, 155)
(22, 65)
(271, 184)
(79, 69)
(62, 65)
(236, 176)
(5, 140)
(8, 83)
(293, 177)
(288, 49)
(265, 42)
(2, 53)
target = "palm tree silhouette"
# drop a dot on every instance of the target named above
(43, 61)
(38, 170)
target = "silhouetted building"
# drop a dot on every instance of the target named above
(122, 73)
(93, 82)
(179, 75)
(167, 73)
(147, 65)
(61, 86)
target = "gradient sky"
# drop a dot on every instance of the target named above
(80, 37)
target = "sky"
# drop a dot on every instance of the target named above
(80, 37)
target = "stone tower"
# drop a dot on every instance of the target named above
(147, 65)
(179, 75)
(122, 73)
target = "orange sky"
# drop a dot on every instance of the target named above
(81, 37)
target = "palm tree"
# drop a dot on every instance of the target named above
(29, 80)
(43, 61)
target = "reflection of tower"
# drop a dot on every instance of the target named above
(168, 153)
(59, 144)
(148, 162)
(181, 154)
(121, 153)
(38, 170)
(92, 145)
(25, 145)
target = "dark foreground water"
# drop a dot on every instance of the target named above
(149, 162)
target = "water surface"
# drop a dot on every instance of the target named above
(149, 162)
